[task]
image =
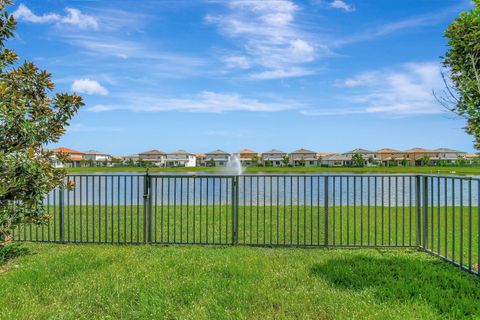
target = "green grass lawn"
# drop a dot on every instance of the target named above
(196, 282)
(424, 170)
(449, 228)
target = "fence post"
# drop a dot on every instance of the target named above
(325, 206)
(418, 204)
(235, 210)
(62, 213)
(146, 209)
(425, 212)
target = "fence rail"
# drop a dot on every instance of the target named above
(439, 214)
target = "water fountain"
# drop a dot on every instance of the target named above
(234, 166)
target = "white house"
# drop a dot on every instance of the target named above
(449, 155)
(155, 157)
(73, 158)
(336, 160)
(303, 157)
(274, 157)
(366, 155)
(180, 158)
(248, 157)
(99, 158)
(217, 158)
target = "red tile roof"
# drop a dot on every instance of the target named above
(66, 150)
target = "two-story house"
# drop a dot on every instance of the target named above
(248, 157)
(217, 158)
(335, 160)
(303, 157)
(155, 157)
(449, 155)
(389, 156)
(368, 156)
(180, 158)
(65, 157)
(100, 159)
(275, 158)
(416, 155)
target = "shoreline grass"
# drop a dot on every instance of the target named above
(201, 282)
(365, 170)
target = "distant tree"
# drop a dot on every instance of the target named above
(462, 61)
(424, 161)
(404, 161)
(301, 162)
(211, 162)
(268, 163)
(90, 163)
(286, 161)
(130, 162)
(370, 160)
(255, 160)
(357, 160)
(30, 118)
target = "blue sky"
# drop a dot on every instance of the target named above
(326, 75)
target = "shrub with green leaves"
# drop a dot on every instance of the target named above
(31, 116)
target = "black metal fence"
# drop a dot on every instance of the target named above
(439, 214)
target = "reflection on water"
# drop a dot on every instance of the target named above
(294, 189)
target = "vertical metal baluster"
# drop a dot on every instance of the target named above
(168, 210)
(156, 208)
(396, 210)
(341, 210)
(206, 211)
(318, 210)
(68, 213)
(181, 209)
(194, 205)
(410, 210)
(81, 209)
(304, 210)
(213, 210)
(389, 210)
(361, 210)
(461, 222)
(334, 230)
(100, 209)
(265, 211)
(251, 209)
(277, 178)
(368, 210)
(453, 219)
(118, 209)
(354, 210)
(244, 209)
(446, 216)
(298, 209)
(258, 207)
(112, 220)
(326, 210)
(469, 224)
(201, 200)
(175, 210)
(291, 210)
(383, 209)
(93, 209)
(348, 210)
(220, 214)
(404, 190)
(188, 208)
(438, 216)
(432, 218)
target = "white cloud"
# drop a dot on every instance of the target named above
(270, 40)
(89, 86)
(207, 101)
(407, 90)
(339, 4)
(24, 13)
(73, 17)
(76, 18)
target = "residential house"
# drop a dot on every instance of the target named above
(217, 158)
(389, 156)
(247, 157)
(449, 155)
(200, 159)
(154, 157)
(335, 160)
(415, 155)
(73, 158)
(274, 157)
(180, 158)
(303, 157)
(472, 157)
(99, 159)
(368, 156)
(130, 159)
